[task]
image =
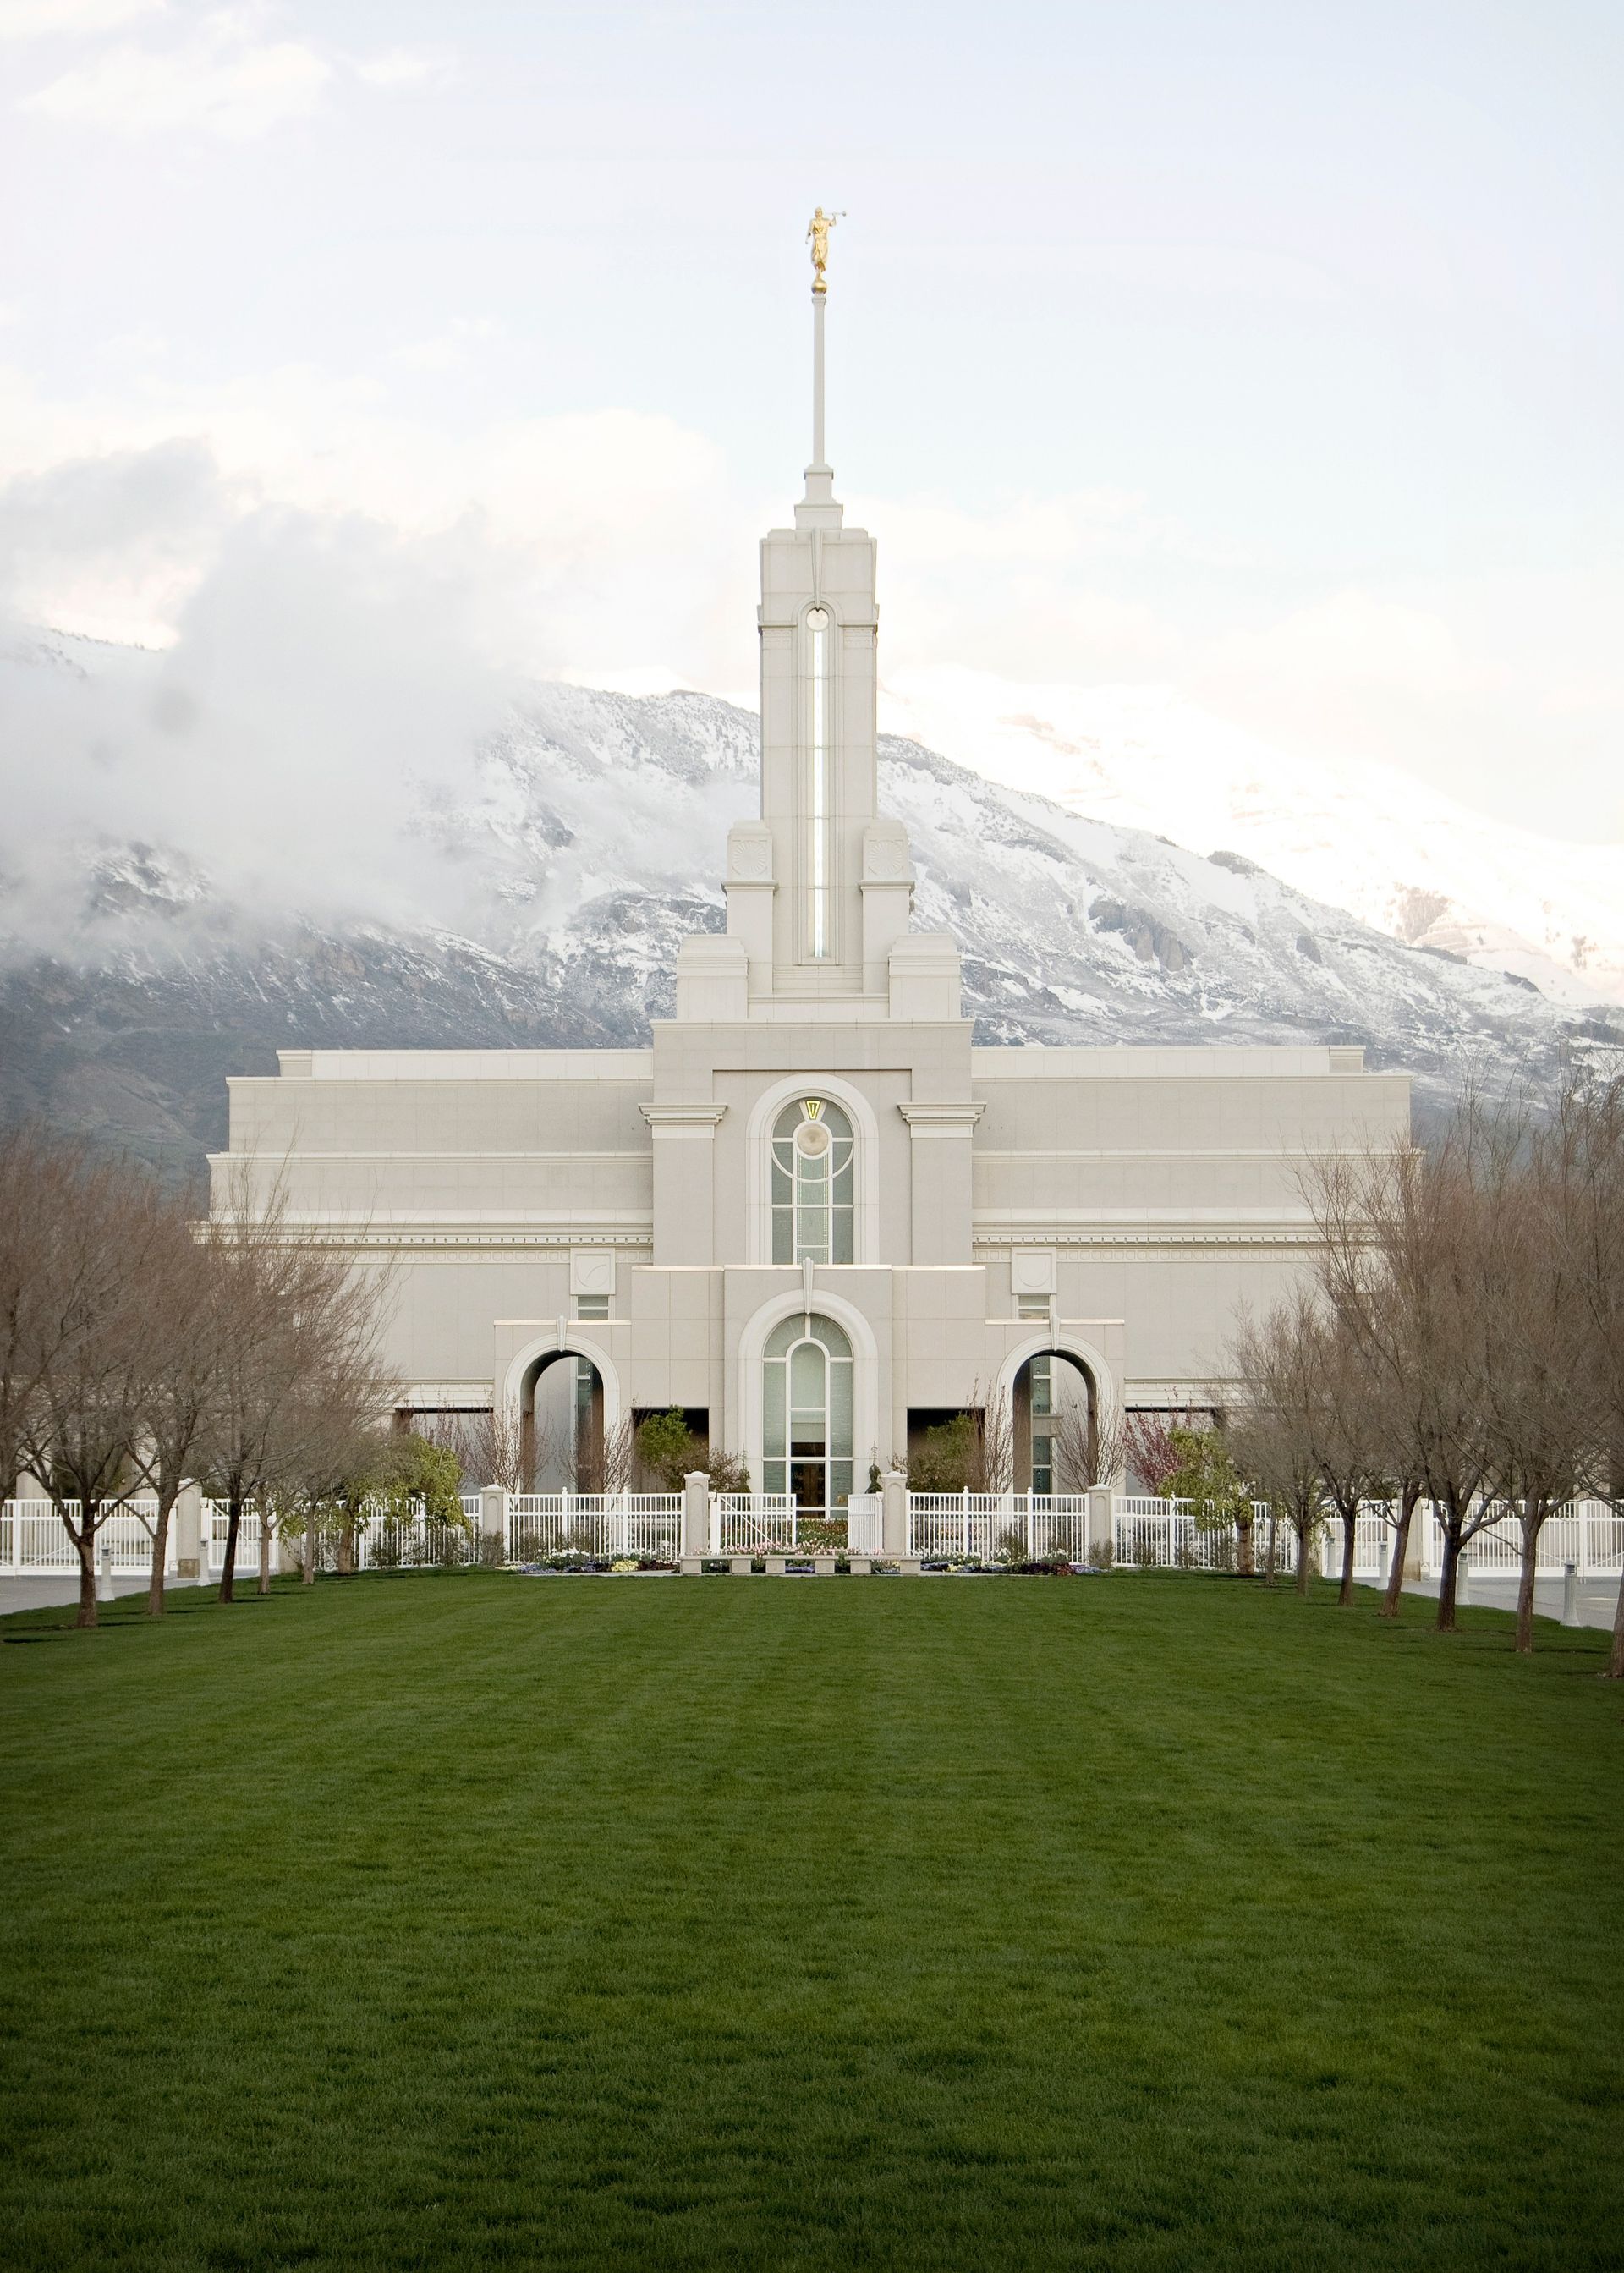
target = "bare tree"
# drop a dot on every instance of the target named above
(299, 1323)
(182, 1316)
(991, 1466)
(91, 1360)
(494, 1448)
(1536, 1376)
(40, 1179)
(1579, 1161)
(1402, 1256)
(1272, 1421)
(605, 1462)
(1348, 1418)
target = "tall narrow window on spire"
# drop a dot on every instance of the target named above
(811, 1172)
(820, 799)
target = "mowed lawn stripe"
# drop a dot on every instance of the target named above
(1139, 1922)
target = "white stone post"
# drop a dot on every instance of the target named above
(104, 1566)
(894, 1515)
(1570, 1594)
(1102, 1524)
(493, 1519)
(1384, 1558)
(695, 1518)
(191, 1557)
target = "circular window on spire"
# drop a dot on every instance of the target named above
(816, 620)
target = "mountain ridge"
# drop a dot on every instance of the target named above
(552, 868)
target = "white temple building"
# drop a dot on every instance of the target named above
(813, 1213)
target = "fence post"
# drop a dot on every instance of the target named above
(695, 1516)
(894, 1516)
(1384, 1558)
(493, 1526)
(1581, 1509)
(967, 1524)
(623, 1520)
(1570, 1596)
(1102, 1521)
(104, 1566)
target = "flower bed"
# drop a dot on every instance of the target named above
(571, 1563)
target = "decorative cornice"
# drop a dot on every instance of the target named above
(683, 1120)
(941, 1116)
(1170, 1240)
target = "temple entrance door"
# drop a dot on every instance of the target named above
(809, 1482)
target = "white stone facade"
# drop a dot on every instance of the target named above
(1113, 1205)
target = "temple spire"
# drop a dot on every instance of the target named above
(819, 475)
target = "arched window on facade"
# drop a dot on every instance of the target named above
(806, 1415)
(812, 1179)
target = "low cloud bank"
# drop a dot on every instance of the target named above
(324, 682)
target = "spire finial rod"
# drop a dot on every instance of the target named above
(817, 307)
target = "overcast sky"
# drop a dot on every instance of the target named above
(1269, 352)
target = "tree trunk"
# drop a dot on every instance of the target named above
(160, 1549)
(1271, 1552)
(1305, 1549)
(1408, 1500)
(234, 1523)
(1524, 1642)
(346, 1548)
(1446, 1583)
(307, 1575)
(1245, 1558)
(1350, 1531)
(264, 1548)
(85, 1543)
(1615, 1664)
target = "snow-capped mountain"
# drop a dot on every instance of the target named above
(551, 871)
(1369, 837)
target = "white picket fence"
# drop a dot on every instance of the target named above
(1586, 1534)
(1146, 1533)
(997, 1527)
(539, 1525)
(1162, 1534)
(754, 1523)
(34, 1541)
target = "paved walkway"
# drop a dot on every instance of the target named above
(63, 1587)
(1599, 1598)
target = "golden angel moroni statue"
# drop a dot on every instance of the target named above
(818, 235)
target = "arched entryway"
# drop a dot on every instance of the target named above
(561, 1421)
(806, 1410)
(1056, 1424)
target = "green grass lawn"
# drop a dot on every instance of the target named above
(1138, 1923)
